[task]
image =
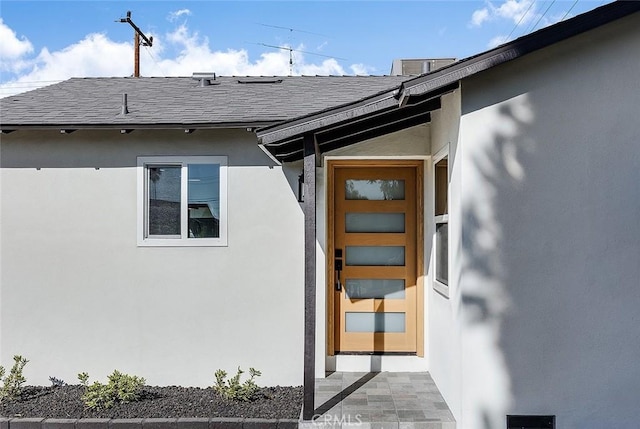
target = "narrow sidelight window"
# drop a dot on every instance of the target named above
(442, 252)
(441, 216)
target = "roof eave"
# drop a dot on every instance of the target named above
(280, 131)
(519, 47)
(137, 126)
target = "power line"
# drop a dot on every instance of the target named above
(19, 88)
(154, 60)
(291, 51)
(286, 48)
(31, 82)
(291, 29)
(542, 16)
(570, 9)
(521, 18)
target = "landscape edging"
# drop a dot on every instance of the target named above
(149, 423)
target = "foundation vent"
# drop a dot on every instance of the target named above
(531, 422)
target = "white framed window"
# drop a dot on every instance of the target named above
(441, 222)
(182, 201)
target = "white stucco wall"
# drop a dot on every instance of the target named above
(550, 207)
(443, 312)
(78, 294)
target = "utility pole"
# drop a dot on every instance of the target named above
(137, 34)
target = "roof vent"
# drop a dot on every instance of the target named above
(206, 78)
(260, 80)
(125, 105)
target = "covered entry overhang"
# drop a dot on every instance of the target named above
(307, 138)
(331, 129)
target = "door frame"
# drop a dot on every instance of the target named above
(419, 165)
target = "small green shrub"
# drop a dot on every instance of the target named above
(233, 389)
(57, 382)
(12, 383)
(121, 388)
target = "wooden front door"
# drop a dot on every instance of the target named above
(374, 256)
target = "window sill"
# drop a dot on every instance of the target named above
(441, 288)
(441, 218)
(171, 242)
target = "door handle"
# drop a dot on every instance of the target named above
(338, 268)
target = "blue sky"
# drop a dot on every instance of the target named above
(46, 41)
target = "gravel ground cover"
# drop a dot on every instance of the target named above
(156, 402)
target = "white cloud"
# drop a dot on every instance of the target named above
(178, 53)
(95, 55)
(522, 11)
(361, 69)
(12, 49)
(518, 11)
(173, 16)
(194, 54)
(328, 67)
(554, 19)
(497, 41)
(479, 17)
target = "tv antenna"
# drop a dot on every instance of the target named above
(137, 34)
(291, 51)
(291, 30)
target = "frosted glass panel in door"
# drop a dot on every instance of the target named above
(374, 288)
(376, 190)
(375, 255)
(374, 222)
(374, 322)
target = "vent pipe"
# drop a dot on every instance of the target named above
(205, 79)
(125, 108)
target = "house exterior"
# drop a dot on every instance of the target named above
(479, 222)
(77, 174)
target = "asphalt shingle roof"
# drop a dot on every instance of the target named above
(157, 101)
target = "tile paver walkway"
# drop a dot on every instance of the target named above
(379, 400)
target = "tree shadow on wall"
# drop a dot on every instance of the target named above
(551, 257)
(494, 175)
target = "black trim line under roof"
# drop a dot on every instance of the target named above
(364, 128)
(374, 103)
(138, 126)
